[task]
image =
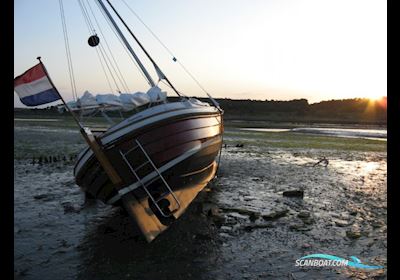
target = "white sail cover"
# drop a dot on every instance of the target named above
(156, 95)
(125, 101)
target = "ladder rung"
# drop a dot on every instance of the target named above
(131, 149)
(140, 166)
(160, 198)
(159, 176)
(151, 181)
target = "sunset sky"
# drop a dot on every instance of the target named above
(240, 49)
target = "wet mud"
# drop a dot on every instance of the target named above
(266, 208)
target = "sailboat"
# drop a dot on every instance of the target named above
(159, 158)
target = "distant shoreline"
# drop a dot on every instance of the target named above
(271, 113)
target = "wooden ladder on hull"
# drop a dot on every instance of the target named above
(163, 209)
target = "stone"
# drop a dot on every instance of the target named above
(376, 224)
(274, 214)
(308, 221)
(225, 235)
(226, 228)
(303, 214)
(253, 217)
(293, 193)
(353, 234)
(341, 223)
(213, 211)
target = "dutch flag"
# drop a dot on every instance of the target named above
(34, 87)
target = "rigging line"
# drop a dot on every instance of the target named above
(104, 55)
(87, 19)
(184, 95)
(68, 53)
(191, 75)
(165, 47)
(158, 70)
(104, 70)
(148, 28)
(120, 40)
(92, 31)
(124, 84)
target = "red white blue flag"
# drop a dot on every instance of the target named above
(34, 87)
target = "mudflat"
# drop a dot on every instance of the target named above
(278, 196)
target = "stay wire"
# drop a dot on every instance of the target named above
(120, 40)
(92, 31)
(166, 48)
(68, 52)
(102, 51)
(120, 76)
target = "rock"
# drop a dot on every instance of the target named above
(376, 224)
(294, 193)
(353, 234)
(341, 223)
(308, 221)
(242, 211)
(275, 214)
(253, 217)
(69, 208)
(306, 246)
(44, 197)
(226, 228)
(224, 235)
(237, 215)
(303, 214)
(40, 196)
(213, 211)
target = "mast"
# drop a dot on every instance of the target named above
(149, 79)
(144, 50)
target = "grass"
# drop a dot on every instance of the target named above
(303, 141)
(62, 140)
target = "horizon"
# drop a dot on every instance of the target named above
(265, 100)
(263, 50)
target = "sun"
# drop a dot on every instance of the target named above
(376, 103)
(374, 97)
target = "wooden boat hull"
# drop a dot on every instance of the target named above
(184, 147)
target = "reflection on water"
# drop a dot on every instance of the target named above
(266, 129)
(376, 134)
(37, 120)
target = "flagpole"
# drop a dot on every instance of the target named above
(90, 139)
(62, 99)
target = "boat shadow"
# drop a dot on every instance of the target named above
(113, 248)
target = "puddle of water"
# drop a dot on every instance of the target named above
(37, 120)
(373, 134)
